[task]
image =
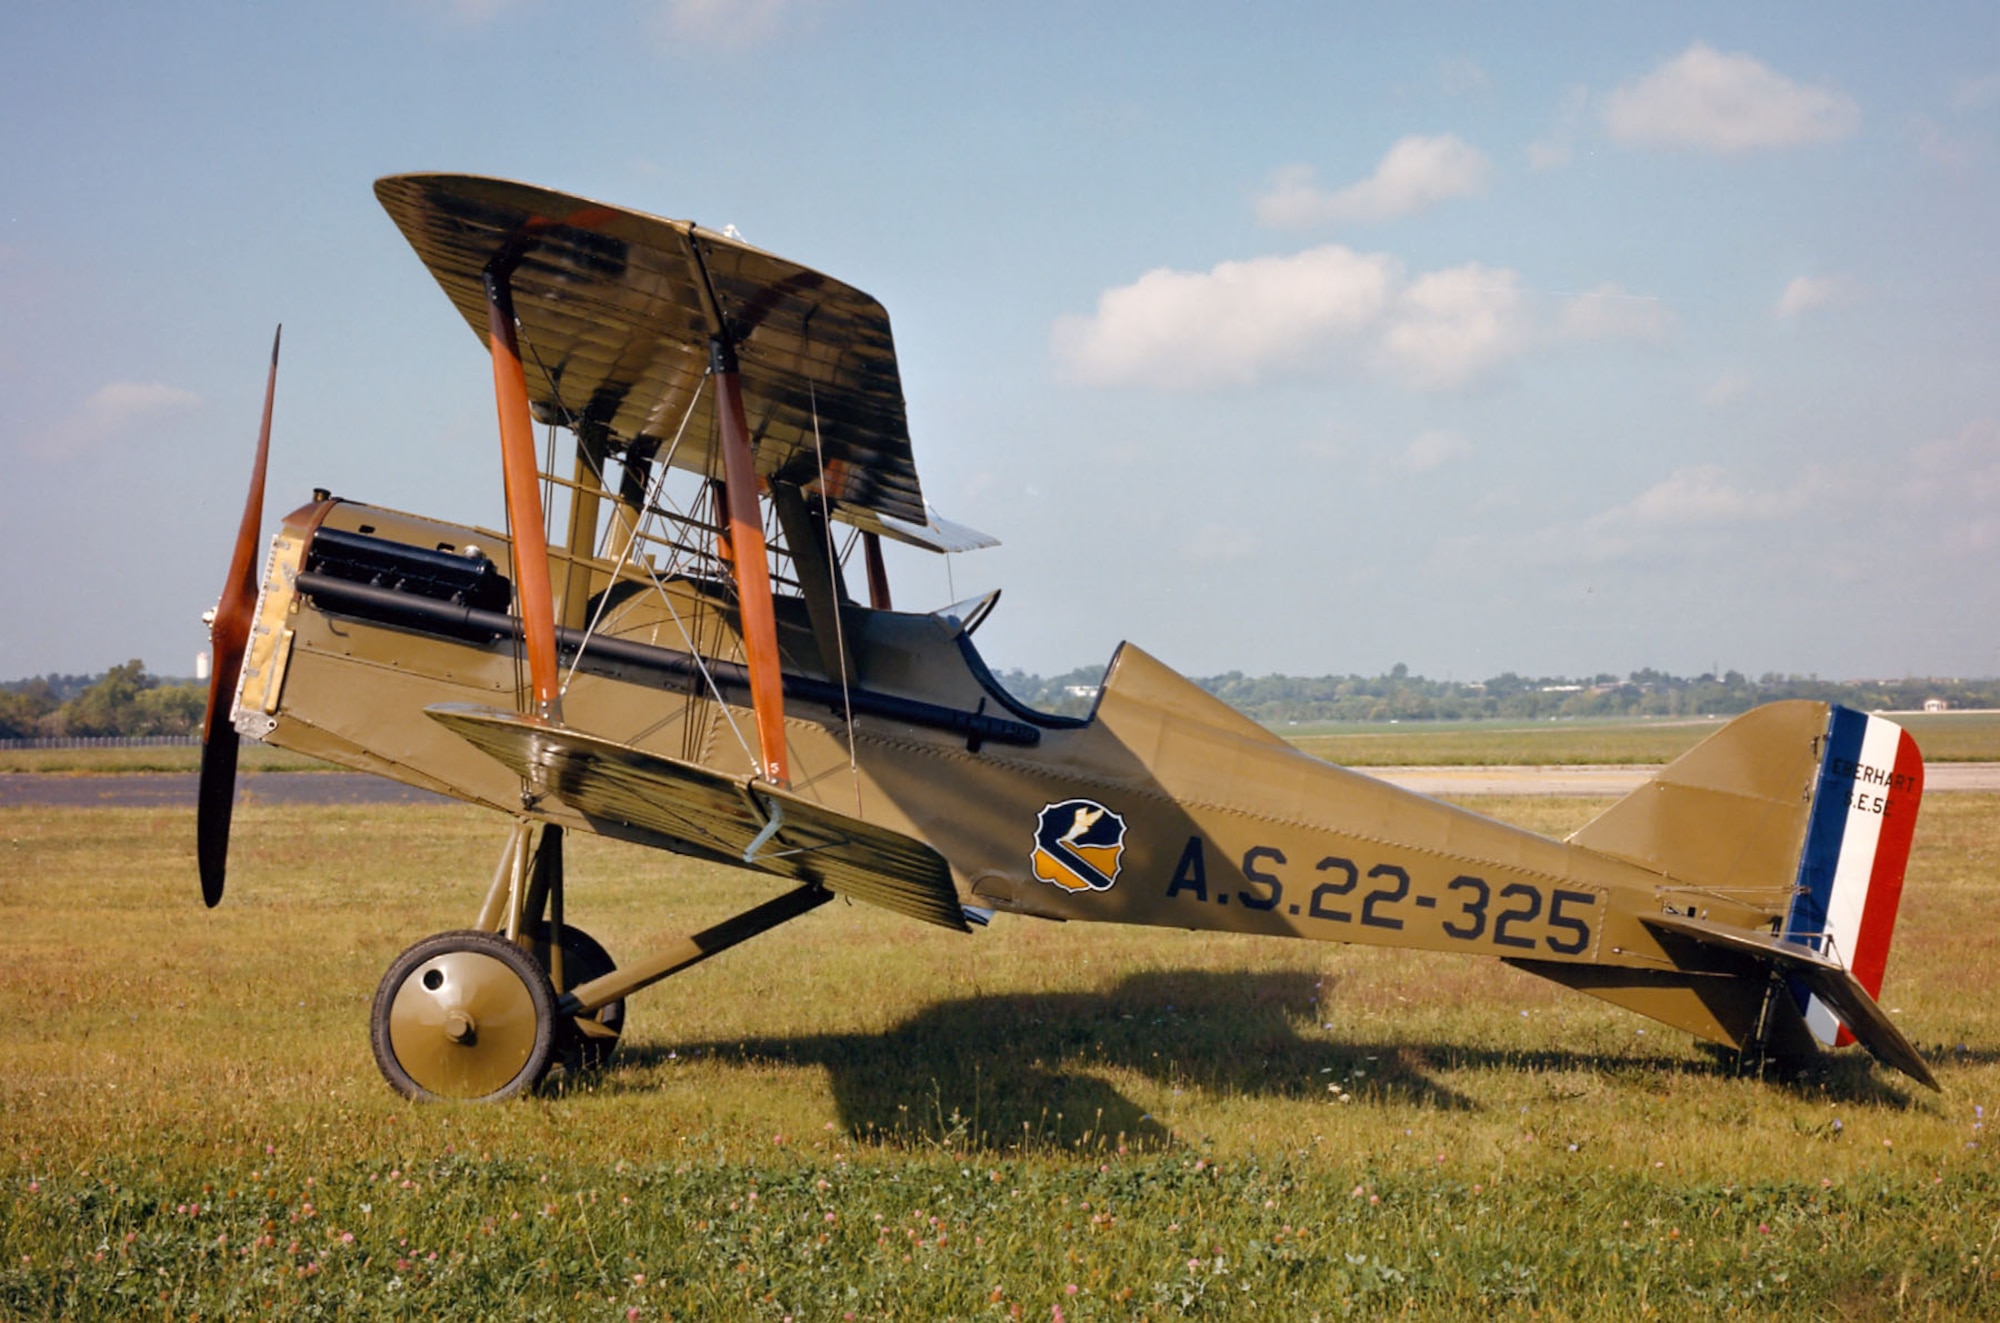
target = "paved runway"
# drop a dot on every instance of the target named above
(1619, 780)
(177, 789)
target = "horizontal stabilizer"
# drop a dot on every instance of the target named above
(737, 817)
(1822, 977)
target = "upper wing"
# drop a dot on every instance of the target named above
(616, 311)
(738, 817)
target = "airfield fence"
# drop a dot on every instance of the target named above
(100, 741)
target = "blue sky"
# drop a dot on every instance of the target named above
(1303, 338)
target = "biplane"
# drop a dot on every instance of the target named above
(684, 638)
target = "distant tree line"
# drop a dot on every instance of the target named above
(1400, 696)
(124, 701)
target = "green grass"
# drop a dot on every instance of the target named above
(151, 758)
(1962, 737)
(1946, 737)
(857, 1114)
(1943, 737)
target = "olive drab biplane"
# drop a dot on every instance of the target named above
(684, 638)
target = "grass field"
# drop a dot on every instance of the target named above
(1943, 737)
(150, 758)
(858, 1116)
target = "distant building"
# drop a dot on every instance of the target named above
(1936, 705)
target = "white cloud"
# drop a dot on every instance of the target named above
(476, 13)
(1331, 312)
(1452, 327)
(1952, 488)
(1550, 154)
(1219, 544)
(1235, 325)
(115, 410)
(1687, 509)
(1726, 390)
(1940, 147)
(1727, 103)
(1554, 152)
(1328, 441)
(1977, 93)
(1810, 293)
(1460, 75)
(1416, 174)
(1701, 495)
(731, 24)
(1610, 312)
(1701, 512)
(1934, 505)
(1432, 450)
(1325, 312)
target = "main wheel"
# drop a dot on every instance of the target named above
(583, 1042)
(467, 1016)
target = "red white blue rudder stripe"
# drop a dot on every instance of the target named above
(1864, 811)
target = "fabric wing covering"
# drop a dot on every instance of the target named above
(617, 309)
(609, 782)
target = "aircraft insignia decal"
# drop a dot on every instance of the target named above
(1077, 845)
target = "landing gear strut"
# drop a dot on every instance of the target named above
(488, 1012)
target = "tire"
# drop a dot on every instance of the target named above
(463, 1017)
(576, 1050)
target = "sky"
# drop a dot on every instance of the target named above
(1302, 338)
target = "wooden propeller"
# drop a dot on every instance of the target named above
(228, 634)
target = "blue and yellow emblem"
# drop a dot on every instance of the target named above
(1077, 844)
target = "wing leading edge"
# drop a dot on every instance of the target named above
(738, 817)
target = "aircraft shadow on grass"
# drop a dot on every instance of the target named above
(993, 1072)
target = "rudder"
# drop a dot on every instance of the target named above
(1857, 845)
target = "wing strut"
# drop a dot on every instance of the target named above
(524, 489)
(749, 563)
(878, 574)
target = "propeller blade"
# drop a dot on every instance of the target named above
(228, 634)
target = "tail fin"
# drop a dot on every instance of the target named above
(1803, 812)
(1864, 811)
(1729, 814)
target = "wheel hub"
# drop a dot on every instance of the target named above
(463, 1024)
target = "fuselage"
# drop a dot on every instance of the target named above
(1164, 807)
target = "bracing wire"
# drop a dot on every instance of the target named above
(549, 479)
(639, 533)
(833, 586)
(625, 557)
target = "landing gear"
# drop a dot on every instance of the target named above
(585, 1041)
(489, 1012)
(467, 1016)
